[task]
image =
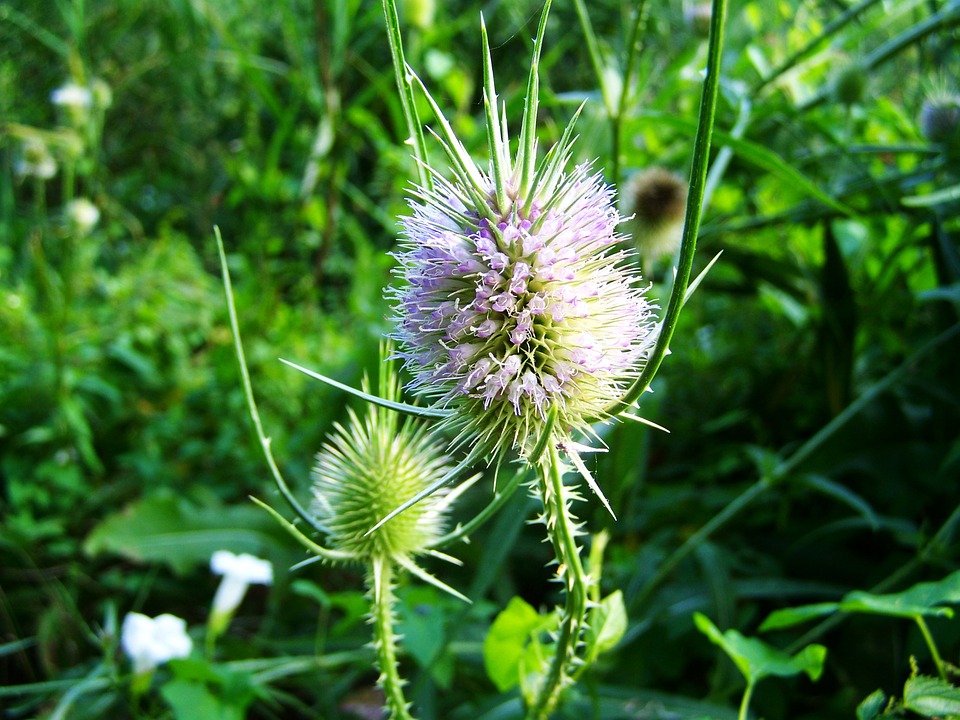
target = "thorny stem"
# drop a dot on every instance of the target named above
(562, 530)
(384, 640)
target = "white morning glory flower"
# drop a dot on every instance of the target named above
(239, 572)
(150, 642)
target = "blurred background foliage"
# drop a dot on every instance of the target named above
(812, 396)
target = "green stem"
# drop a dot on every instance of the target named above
(925, 631)
(562, 530)
(499, 498)
(616, 120)
(248, 392)
(698, 178)
(405, 88)
(385, 642)
(745, 702)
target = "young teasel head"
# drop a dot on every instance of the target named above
(518, 311)
(655, 201)
(373, 465)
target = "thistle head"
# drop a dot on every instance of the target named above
(940, 117)
(517, 310)
(370, 467)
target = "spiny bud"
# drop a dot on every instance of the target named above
(368, 469)
(940, 117)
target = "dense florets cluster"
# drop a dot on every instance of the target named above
(501, 320)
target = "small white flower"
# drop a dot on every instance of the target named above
(82, 214)
(72, 96)
(239, 571)
(153, 641)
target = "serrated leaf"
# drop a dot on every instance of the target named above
(608, 623)
(931, 697)
(756, 660)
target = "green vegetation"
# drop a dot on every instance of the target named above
(788, 551)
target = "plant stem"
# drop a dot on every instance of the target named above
(384, 640)
(925, 631)
(562, 529)
(248, 393)
(698, 177)
(745, 702)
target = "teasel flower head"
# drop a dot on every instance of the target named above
(518, 310)
(940, 117)
(373, 465)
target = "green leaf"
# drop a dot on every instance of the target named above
(845, 495)
(756, 155)
(931, 697)
(788, 617)
(166, 528)
(756, 660)
(506, 644)
(608, 624)
(939, 197)
(193, 700)
(921, 599)
(872, 706)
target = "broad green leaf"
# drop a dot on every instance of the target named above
(422, 625)
(872, 706)
(756, 660)
(507, 642)
(921, 599)
(931, 697)
(166, 528)
(191, 700)
(608, 623)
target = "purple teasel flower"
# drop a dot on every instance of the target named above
(519, 311)
(518, 304)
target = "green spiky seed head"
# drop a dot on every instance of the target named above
(369, 468)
